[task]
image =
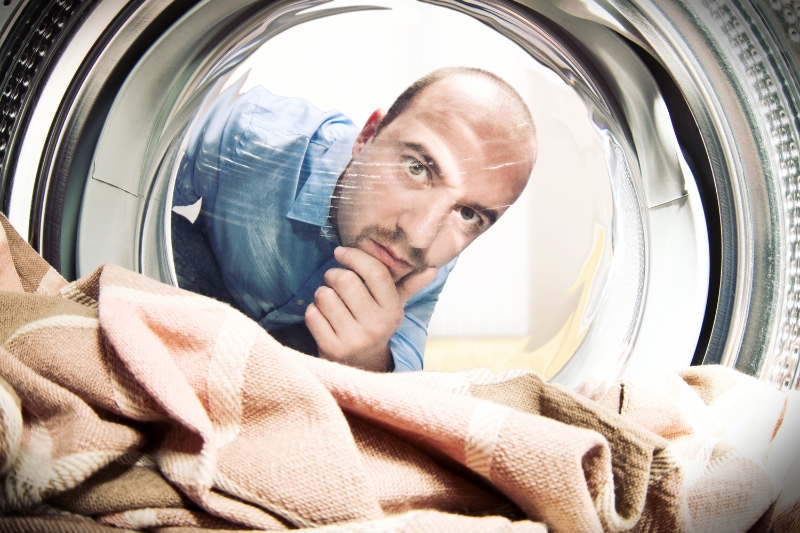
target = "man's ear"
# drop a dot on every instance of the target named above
(368, 131)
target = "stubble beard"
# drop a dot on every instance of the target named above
(383, 236)
(394, 239)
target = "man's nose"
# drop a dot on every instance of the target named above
(424, 221)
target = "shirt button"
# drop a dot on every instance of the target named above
(300, 302)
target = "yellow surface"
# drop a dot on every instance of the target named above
(500, 354)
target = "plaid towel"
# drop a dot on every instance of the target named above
(126, 403)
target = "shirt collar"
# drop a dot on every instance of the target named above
(313, 202)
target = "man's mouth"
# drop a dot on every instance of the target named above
(385, 255)
(401, 260)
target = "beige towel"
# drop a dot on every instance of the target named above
(128, 403)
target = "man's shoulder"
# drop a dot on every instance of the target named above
(262, 112)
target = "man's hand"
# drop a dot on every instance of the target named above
(353, 322)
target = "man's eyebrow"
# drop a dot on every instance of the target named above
(424, 154)
(490, 214)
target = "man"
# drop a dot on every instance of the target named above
(305, 219)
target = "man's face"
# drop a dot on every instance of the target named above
(438, 176)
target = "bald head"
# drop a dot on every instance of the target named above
(476, 94)
(436, 171)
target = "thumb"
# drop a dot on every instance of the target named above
(412, 284)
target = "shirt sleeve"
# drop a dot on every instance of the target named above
(408, 343)
(247, 157)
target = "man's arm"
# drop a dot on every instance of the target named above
(356, 312)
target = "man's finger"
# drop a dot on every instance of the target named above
(350, 288)
(320, 329)
(413, 283)
(335, 311)
(374, 273)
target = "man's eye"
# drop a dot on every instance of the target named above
(416, 169)
(469, 216)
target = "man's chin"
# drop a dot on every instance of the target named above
(398, 275)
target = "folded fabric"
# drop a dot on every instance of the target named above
(127, 403)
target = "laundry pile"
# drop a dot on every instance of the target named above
(126, 403)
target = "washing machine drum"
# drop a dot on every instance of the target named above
(659, 225)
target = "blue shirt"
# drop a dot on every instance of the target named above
(265, 167)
